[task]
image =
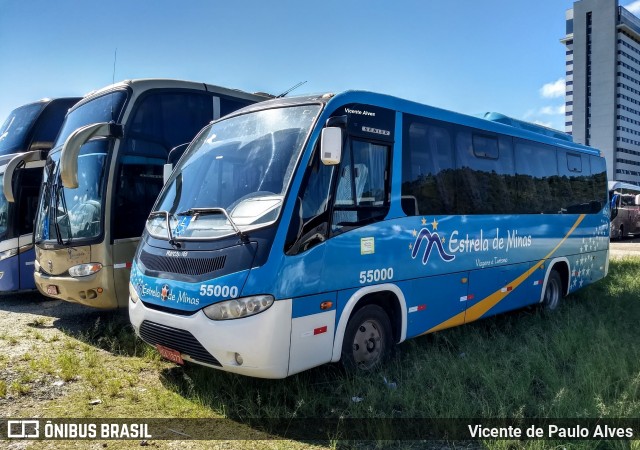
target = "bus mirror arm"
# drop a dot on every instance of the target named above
(174, 156)
(15, 163)
(71, 148)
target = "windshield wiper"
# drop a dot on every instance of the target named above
(195, 212)
(56, 224)
(166, 214)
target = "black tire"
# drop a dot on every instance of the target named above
(368, 341)
(552, 291)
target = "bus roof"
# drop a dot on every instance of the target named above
(143, 84)
(494, 122)
(613, 185)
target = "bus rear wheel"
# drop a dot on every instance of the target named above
(367, 340)
(553, 291)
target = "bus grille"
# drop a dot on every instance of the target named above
(183, 266)
(176, 339)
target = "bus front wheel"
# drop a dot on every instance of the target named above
(553, 291)
(367, 340)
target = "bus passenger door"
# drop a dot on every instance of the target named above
(27, 187)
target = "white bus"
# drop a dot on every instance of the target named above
(625, 209)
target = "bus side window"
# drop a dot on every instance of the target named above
(314, 196)
(485, 173)
(536, 166)
(362, 192)
(162, 121)
(575, 176)
(428, 174)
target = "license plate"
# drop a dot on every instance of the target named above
(171, 355)
(52, 289)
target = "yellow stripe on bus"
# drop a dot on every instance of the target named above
(479, 309)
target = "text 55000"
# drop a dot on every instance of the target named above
(215, 290)
(369, 276)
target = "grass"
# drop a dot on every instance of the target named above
(581, 361)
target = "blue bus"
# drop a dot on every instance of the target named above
(318, 229)
(26, 136)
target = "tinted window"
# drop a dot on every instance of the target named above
(575, 190)
(428, 178)
(105, 108)
(160, 122)
(536, 165)
(485, 173)
(49, 123)
(229, 105)
(15, 129)
(485, 146)
(165, 120)
(599, 177)
(138, 183)
(27, 188)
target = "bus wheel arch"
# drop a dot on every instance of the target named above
(557, 278)
(389, 298)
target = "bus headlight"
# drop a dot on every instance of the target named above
(82, 270)
(133, 294)
(238, 307)
(8, 253)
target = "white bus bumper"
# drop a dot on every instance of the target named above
(262, 341)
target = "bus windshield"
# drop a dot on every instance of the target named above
(106, 108)
(68, 214)
(234, 175)
(17, 125)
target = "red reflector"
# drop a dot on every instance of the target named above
(422, 307)
(509, 288)
(320, 330)
(128, 265)
(470, 297)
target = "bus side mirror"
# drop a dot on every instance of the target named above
(71, 149)
(15, 163)
(174, 156)
(331, 146)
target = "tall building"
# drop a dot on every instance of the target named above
(603, 83)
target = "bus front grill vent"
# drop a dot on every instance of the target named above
(182, 266)
(176, 339)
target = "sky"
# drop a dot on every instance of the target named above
(468, 56)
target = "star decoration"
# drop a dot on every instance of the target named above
(415, 233)
(434, 224)
(424, 221)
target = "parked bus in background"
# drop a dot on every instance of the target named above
(34, 126)
(625, 209)
(26, 136)
(301, 231)
(104, 174)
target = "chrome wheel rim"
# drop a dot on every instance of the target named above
(367, 344)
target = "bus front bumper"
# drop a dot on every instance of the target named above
(93, 290)
(256, 346)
